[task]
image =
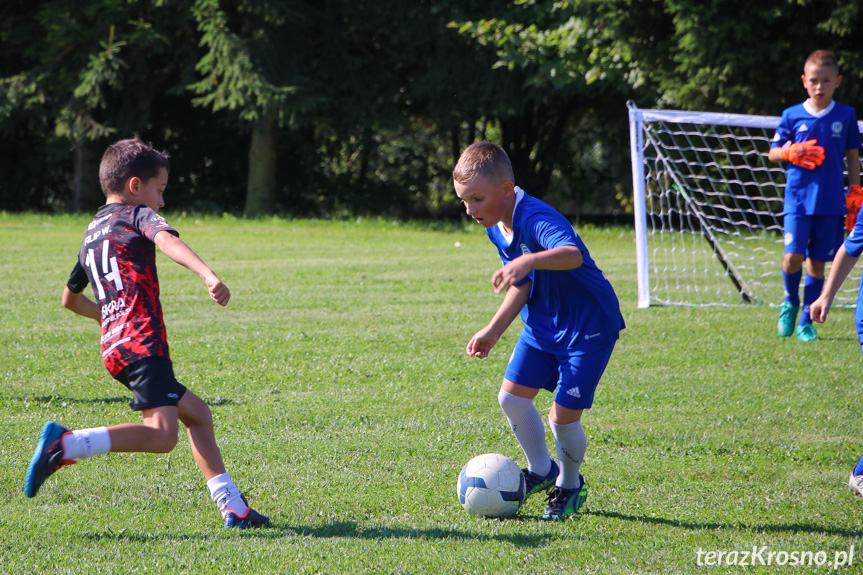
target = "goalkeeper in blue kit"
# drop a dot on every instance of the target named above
(814, 138)
(571, 320)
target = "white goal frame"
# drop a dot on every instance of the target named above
(708, 209)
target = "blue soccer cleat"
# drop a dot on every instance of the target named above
(534, 483)
(806, 332)
(565, 502)
(787, 319)
(47, 459)
(251, 519)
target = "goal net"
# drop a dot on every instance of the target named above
(708, 210)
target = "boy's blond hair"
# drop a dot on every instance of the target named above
(484, 160)
(823, 58)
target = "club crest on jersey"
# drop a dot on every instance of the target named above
(837, 128)
(524, 250)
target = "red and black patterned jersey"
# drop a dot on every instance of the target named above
(118, 257)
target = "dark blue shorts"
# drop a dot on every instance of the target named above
(153, 383)
(572, 378)
(816, 237)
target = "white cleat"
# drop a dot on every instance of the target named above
(855, 483)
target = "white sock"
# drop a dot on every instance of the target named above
(227, 496)
(571, 443)
(526, 424)
(83, 443)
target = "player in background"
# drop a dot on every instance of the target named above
(814, 138)
(571, 320)
(845, 260)
(118, 257)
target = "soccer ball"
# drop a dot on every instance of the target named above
(491, 485)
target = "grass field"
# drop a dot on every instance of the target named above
(345, 407)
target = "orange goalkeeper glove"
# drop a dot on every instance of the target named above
(853, 201)
(807, 154)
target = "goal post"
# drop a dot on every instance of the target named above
(708, 209)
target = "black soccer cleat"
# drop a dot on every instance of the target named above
(565, 502)
(534, 483)
(251, 519)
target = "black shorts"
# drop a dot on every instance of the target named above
(152, 381)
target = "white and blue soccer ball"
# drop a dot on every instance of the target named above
(491, 485)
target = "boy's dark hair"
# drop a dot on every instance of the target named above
(485, 160)
(129, 158)
(823, 58)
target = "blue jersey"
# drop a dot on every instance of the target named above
(854, 247)
(818, 192)
(569, 311)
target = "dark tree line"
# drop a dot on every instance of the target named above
(336, 107)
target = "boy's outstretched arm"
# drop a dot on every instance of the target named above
(560, 258)
(177, 250)
(481, 343)
(81, 304)
(839, 270)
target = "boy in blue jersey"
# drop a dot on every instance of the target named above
(844, 262)
(571, 320)
(814, 138)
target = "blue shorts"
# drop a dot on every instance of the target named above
(572, 378)
(152, 381)
(816, 237)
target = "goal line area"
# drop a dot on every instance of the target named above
(708, 210)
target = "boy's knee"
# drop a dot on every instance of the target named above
(503, 398)
(816, 269)
(199, 416)
(194, 411)
(508, 401)
(792, 259)
(165, 441)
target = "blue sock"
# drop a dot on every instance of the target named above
(859, 469)
(792, 286)
(811, 290)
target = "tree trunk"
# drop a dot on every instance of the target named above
(86, 191)
(261, 192)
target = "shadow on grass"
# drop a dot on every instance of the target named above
(755, 528)
(346, 529)
(350, 529)
(838, 338)
(49, 399)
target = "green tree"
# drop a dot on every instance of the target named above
(585, 57)
(87, 71)
(347, 107)
(247, 69)
(561, 114)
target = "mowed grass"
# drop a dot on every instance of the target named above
(345, 407)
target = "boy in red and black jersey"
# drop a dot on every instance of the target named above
(119, 248)
(118, 257)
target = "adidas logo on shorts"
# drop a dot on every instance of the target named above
(573, 391)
